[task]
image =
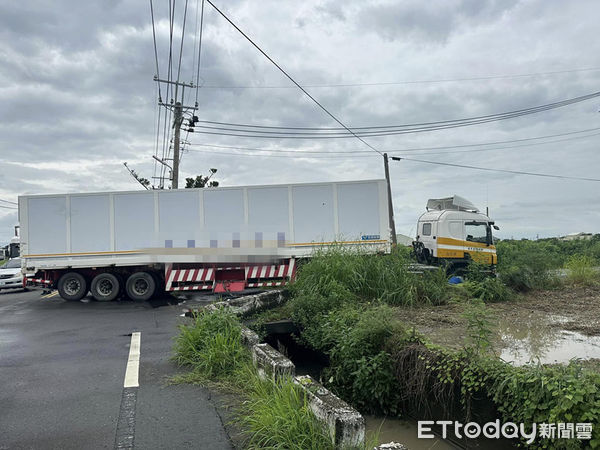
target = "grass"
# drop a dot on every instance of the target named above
(276, 415)
(581, 270)
(273, 414)
(211, 345)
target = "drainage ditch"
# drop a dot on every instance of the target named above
(283, 336)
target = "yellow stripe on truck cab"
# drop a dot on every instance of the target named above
(451, 241)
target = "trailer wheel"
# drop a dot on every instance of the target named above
(140, 286)
(105, 287)
(72, 286)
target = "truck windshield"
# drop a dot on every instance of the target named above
(477, 232)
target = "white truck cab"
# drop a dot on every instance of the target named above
(453, 232)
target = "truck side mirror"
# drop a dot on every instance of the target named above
(496, 227)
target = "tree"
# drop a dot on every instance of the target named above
(201, 182)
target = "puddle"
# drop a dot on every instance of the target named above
(403, 432)
(406, 432)
(534, 340)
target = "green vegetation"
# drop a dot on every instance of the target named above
(211, 345)
(343, 276)
(274, 414)
(581, 270)
(488, 290)
(277, 416)
(344, 303)
(527, 394)
(479, 327)
(525, 265)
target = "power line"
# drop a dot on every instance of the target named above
(8, 207)
(392, 83)
(181, 47)
(199, 49)
(296, 156)
(292, 80)
(155, 49)
(8, 201)
(410, 150)
(249, 130)
(516, 172)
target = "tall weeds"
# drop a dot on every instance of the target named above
(581, 270)
(211, 344)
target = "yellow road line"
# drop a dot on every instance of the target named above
(52, 294)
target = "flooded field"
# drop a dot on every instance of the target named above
(546, 327)
(545, 342)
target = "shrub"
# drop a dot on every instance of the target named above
(580, 270)
(342, 275)
(488, 290)
(360, 369)
(479, 327)
(211, 345)
(520, 279)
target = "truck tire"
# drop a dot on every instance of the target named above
(140, 286)
(105, 287)
(72, 287)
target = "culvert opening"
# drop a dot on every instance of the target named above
(283, 336)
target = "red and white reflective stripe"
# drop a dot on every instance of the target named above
(39, 280)
(169, 277)
(190, 275)
(291, 268)
(192, 288)
(267, 283)
(281, 271)
(272, 271)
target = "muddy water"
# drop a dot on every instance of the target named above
(403, 432)
(526, 340)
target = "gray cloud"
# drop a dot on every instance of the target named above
(78, 98)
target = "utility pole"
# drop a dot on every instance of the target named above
(392, 224)
(177, 120)
(178, 109)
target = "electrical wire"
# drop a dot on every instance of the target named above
(8, 201)
(181, 48)
(199, 51)
(383, 130)
(515, 172)
(155, 49)
(392, 83)
(411, 150)
(292, 79)
(8, 207)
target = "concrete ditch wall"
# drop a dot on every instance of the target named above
(243, 306)
(346, 425)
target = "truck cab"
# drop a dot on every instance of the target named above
(452, 233)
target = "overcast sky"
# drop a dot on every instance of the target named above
(78, 98)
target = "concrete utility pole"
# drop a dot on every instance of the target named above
(177, 120)
(392, 224)
(178, 110)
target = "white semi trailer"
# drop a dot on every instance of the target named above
(217, 239)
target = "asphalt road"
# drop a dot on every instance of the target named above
(62, 370)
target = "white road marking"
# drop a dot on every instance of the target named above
(133, 363)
